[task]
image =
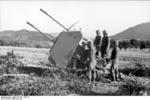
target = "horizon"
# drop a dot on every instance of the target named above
(59, 32)
(115, 16)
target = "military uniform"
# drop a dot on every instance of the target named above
(105, 47)
(114, 63)
(92, 63)
(97, 43)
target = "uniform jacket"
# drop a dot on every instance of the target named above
(105, 43)
(97, 40)
(114, 53)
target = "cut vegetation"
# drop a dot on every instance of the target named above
(17, 78)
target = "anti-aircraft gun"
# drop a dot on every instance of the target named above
(64, 45)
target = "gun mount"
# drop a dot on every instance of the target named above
(64, 46)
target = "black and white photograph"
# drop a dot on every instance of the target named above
(74, 48)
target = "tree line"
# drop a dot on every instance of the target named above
(123, 44)
(23, 44)
(12, 43)
(132, 43)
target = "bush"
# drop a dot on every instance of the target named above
(54, 81)
(73, 83)
(132, 87)
(9, 64)
(80, 87)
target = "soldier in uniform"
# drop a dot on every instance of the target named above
(97, 43)
(114, 62)
(92, 63)
(105, 45)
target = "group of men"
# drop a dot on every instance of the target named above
(88, 53)
(102, 46)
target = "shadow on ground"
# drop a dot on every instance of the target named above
(32, 70)
(139, 72)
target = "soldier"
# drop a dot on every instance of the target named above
(114, 62)
(97, 43)
(88, 52)
(105, 45)
(92, 63)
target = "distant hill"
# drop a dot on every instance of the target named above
(141, 32)
(29, 38)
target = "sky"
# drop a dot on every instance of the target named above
(113, 16)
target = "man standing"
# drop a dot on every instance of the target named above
(105, 45)
(92, 63)
(97, 43)
(114, 62)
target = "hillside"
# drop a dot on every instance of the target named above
(141, 32)
(29, 38)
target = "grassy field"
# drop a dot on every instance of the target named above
(31, 56)
(28, 73)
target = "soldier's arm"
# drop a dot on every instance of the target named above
(100, 41)
(108, 45)
(117, 52)
(94, 41)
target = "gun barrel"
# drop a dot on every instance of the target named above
(40, 31)
(72, 25)
(54, 19)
